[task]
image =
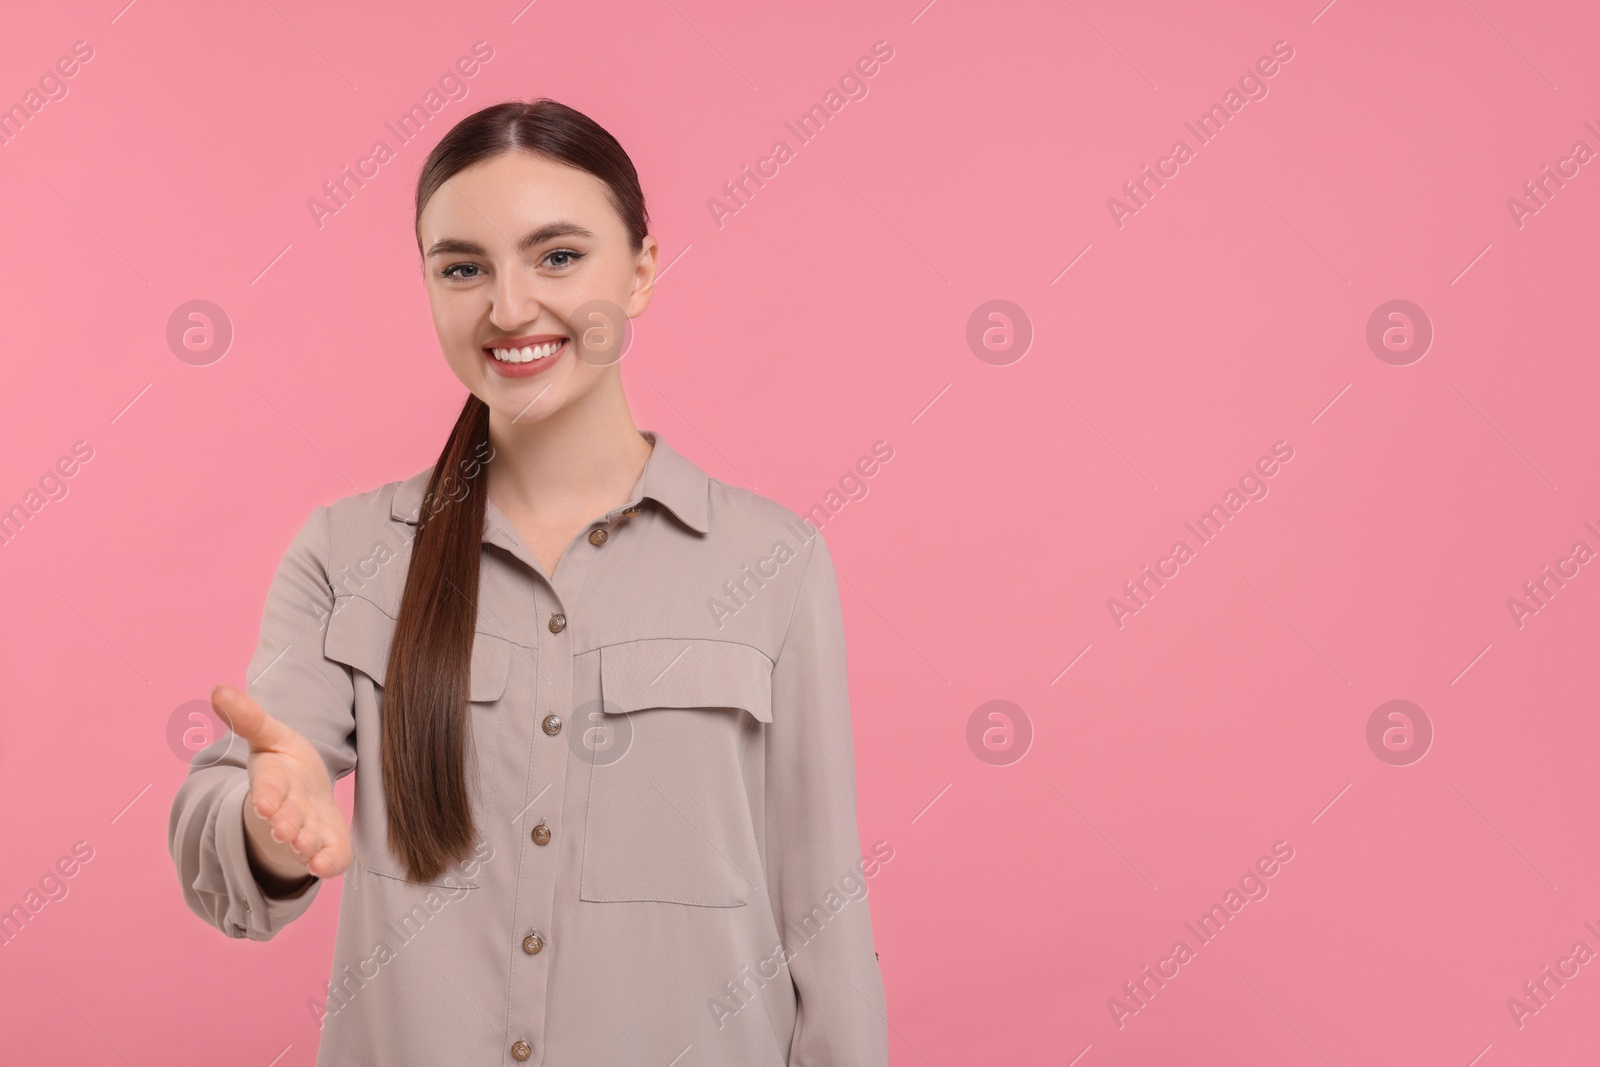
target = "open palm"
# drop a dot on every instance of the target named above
(294, 824)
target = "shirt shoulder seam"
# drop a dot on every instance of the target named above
(800, 591)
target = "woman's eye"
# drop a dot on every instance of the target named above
(561, 259)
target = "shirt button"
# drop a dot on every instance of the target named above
(541, 834)
(631, 512)
(558, 622)
(532, 944)
(552, 724)
(597, 537)
(521, 1050)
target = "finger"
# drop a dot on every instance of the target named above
(306, 843)
(287, 823)
(249, 719)
(269, 788)
(274, 803)
(330, 861)
(315, 841)
(332, 856)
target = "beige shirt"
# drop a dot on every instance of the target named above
(669, 870)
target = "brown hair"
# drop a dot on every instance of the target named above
(426, 724)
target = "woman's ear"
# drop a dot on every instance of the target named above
(644, 277)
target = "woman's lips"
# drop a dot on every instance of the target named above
(536, 365)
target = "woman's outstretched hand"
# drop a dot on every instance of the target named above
(292, 825)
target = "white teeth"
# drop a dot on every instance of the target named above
(525, 355)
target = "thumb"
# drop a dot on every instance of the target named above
(249, 719)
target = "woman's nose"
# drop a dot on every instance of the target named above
(516, 298)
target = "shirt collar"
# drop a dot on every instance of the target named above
(670, 478)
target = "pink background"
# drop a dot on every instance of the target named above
(831, 312)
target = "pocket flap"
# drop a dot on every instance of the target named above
(670, 673)
(360, 633)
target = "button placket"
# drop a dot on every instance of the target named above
(548, 755)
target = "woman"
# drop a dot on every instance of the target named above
(605, 811)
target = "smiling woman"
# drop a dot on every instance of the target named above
(534, 676)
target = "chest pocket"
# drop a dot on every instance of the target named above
(360, 632)
(668, 817)
(359, 635)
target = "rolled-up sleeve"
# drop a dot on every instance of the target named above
(289, 677)
(814, 861)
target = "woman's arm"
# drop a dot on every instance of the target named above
(292, 680)
(813, 845)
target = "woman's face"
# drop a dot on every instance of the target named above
(522, 252)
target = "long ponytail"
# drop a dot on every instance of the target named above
(426, 726)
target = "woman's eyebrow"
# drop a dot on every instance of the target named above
(549, 231)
